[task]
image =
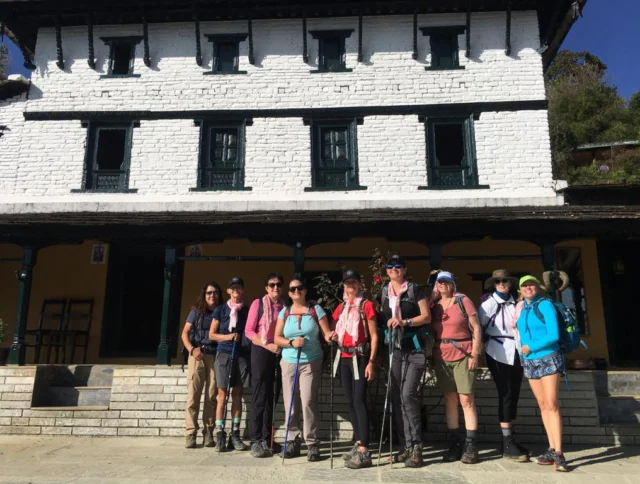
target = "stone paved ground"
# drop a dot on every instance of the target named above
(157, 460)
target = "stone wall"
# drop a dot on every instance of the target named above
(149, 401)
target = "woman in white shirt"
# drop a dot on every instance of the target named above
(496, 314)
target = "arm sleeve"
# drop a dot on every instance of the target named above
(192, 317)
(469, 307)
(281, 315)
(320, 312)
(551, 325)
(370, 311)
(336, 313)
(420, 294)
(252, 320)
(483, 317)
(217, 314)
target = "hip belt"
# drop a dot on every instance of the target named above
(498, 339)
(363, 349)
(455, 343)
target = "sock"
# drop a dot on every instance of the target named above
(471, 435)
(219, 424)
(235, 426)
(506, 432)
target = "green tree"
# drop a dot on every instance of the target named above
(583, 107)
(4, 55)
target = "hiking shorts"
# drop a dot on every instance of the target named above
(240, 374)
(455, 376)
(545, 366)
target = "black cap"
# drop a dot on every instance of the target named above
(235, 281)
(350, 274)
(397, 259)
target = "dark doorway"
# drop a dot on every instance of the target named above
(619, 268)
(133, 302)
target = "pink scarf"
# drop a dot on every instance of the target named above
(267, 319)
(233, 316)
(349, 321)
(516, 315)
(394, 299)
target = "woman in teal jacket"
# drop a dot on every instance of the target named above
(543, 364)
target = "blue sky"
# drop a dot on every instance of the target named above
(609, 30)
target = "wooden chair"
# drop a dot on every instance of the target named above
(50, 328)
(77, 326)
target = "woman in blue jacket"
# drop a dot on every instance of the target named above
(543, 364)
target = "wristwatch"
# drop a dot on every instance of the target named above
(409, 322)
(291, 343)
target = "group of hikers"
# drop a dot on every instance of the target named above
(270, 342)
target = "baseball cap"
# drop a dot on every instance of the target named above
(350, 274)
(524, 279)
(235, 281)
(397, 259)
(445, 276)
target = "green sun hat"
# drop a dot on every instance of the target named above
(524, 279)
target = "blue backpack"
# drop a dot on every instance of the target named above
(570, 338)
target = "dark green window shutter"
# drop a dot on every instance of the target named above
(222, 165)
(451, 153)
(443, 53)
(334, 156)
(228, 53)
(108, 157)
(332, 53)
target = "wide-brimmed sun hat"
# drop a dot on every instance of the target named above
(499, 274)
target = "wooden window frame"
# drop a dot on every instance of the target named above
(89, 178)
(132, 41)
(450, 33)
(321, 36)
(206, 127)
(316, 125)
(216, 40)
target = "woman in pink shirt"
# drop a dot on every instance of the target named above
(260, 328)
(458, 344)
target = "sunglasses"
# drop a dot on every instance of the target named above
(211, 293)
(501, 281)
(274, 284)
(299, 288)
(395, 266)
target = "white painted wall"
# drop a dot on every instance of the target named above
(513, 148)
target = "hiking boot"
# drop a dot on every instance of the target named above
(276, 449)
(415, 457)
(470, 454)
(454, 453)
(190, 441)
(221, 440)
(359, 461)
(235, 442)
(546, 459)
(313, 453)
(351, 454)
(521, 448)
(292, 448)
(208, 440)
(560, 463)
(257, 450)
(265, 447)
(402, 456)
(511, 451)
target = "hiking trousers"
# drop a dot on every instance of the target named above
(407, 369)
(200, 376)
(508, 380)
(306, 398)
(356, 393)
(263, 383)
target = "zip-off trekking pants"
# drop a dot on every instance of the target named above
(407, 369)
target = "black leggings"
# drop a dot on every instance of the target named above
(508, 379)
(356, 392)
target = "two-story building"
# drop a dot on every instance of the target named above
(159, 145)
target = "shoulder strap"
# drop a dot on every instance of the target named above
(260, 309)
(313, 313)
(537, 311)
(385, 295)
(363, 318)
(460, 303)
(411, 293)
(287, 313)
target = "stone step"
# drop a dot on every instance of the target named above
(619, 410)
(64, 396)
(75, 375)
(616, 383)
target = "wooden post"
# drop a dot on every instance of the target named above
(169, 277)
(298, 258)
(549, 263)
(24, 275)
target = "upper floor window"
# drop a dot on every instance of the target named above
(226, 53)
(331, 49)
(221, 157)
(122, 54)
(444, 47)
(334, 155)
(452, 160)
(108, 156)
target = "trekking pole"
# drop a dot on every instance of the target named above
(331, 406)
(293, 395)
(276, 394)
(386, 400)
(226, 397)
(393, 337)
